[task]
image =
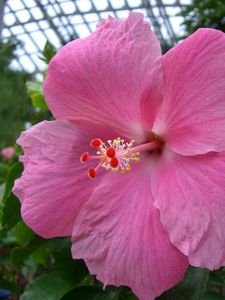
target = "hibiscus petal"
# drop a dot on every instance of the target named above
(102, 78)
(119, 235)
(54, 184)
(190, 193)
(192, 117)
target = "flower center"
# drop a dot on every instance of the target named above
(116, 155)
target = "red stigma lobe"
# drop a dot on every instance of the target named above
(111, 152)
(95, 143)
(114, 162)
(91, 173)
(84, 157)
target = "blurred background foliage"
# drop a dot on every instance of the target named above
(204, 13)
(15, 105)
(32, 268)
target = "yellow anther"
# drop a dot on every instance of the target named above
(122, 170)
(135, 159)
(128, 168)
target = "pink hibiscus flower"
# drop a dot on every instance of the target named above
(8, 152)
(144, 227)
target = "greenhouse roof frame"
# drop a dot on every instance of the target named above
(60, 21)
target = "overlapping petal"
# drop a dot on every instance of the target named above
(54, 185)
(190, 193)
(127, 228)
(102, 78)
(192, 117)
(119, 235)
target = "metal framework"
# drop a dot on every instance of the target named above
(59, 21)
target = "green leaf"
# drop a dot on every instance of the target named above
(48, 52)
(215, 279)
(212, 296)
(34, 87)
(38, 101)
(19, 254)
(191, 288)
(74, 271)
(49, 286)
(121, 293)
(10, 213)
(13, 174)
(3, 169)
(8, 285)
(87, 293)
(126, 297)
(2, 189)
(23, 233)
(41, 255)
(35, 91)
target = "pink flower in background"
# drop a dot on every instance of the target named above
(160, 120)
(8, 153)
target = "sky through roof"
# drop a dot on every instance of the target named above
(59, 21)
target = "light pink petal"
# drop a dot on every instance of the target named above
(119, 235)
(190, 193)
(192, 117)
(102, 78)
(54, 184)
